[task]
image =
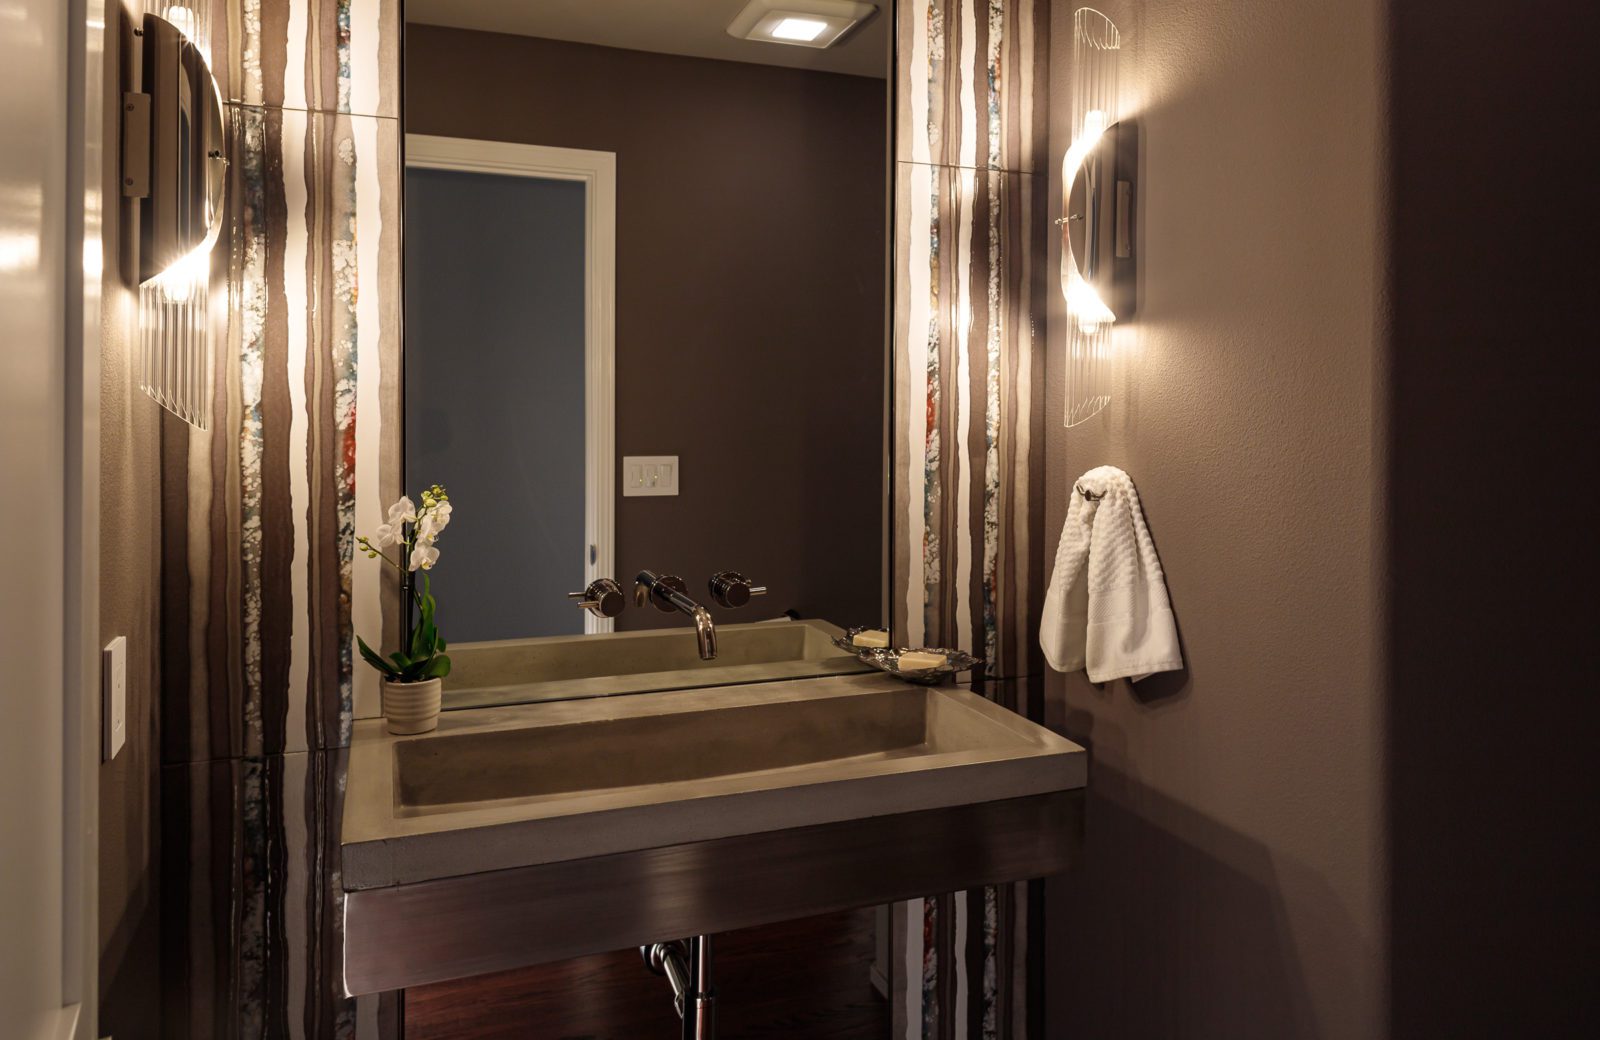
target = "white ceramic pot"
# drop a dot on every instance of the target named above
(412, 707)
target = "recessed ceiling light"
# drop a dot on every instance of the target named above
(801, 30)
(800, 23)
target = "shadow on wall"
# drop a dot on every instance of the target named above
(1173, 916)
(130, 965)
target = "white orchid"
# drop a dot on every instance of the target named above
(403, 510)
(424, 556)
(434, 520)
(412, 532)
(392, 530)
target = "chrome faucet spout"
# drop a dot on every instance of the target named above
(666, 593)
(705, 632)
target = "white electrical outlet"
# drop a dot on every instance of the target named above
(113, 698)
(649, 475)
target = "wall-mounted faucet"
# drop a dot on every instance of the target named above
(732, 589)
(667, 593)
(603, 598)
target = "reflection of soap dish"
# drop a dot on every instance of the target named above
(847, 642)
(888, 660)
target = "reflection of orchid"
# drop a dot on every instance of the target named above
(424, 556)
(412, 532)
(425, 523)
(433, 521)
(392, 530)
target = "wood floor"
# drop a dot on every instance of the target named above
(802, 979)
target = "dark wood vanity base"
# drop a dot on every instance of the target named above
(457, 927)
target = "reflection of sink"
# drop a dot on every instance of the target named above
(518, 834)
(515, 671)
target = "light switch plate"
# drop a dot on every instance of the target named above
(113, 698)
(649, 475)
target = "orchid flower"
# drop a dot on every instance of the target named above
(424, 556)
(433, 521)
(392, 530)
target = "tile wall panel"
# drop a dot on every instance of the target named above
(967, 89)
(967, 571)
(318, 55)
(261, 588)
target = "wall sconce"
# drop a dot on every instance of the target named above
(173, 164)
(1097, 197)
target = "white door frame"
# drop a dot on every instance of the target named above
(598, 172)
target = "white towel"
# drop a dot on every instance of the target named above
(1106, 608)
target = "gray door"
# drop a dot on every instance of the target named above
(494, 387)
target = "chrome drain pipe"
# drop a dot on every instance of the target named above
(687, 965)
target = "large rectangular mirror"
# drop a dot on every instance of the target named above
(646, 285)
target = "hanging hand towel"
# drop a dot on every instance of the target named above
(1106, 607)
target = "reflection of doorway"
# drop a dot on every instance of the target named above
(510, 272)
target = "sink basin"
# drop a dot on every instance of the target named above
(495, 788)
(500, 766)
(519, 671)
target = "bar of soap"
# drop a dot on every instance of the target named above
(917, 660)
(875, 637)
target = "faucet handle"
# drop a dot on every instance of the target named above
(603, 598)
(657, 590)
(732, 589)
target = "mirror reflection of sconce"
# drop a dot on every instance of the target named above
(1098, 179)
(173, 164)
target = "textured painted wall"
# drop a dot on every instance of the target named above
(1234, 859)
(130, 569)
(1492, 900)
(261, 591)
(969, 244)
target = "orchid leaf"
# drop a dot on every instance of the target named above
(371, 656)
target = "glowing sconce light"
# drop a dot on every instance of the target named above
(1094, 231)
(184, 18)
(173, 165)
(186, 278)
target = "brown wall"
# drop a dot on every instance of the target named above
(130, 569)
(750, 295)
(1232, 877)
(1492, 713)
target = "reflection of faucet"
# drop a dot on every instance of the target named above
(603, 598)
(666, 593)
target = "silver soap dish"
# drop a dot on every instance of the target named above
(887, 659)
(846, 642)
